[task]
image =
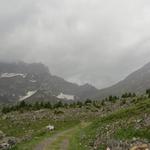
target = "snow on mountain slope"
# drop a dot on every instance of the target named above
(66, 96)
(19, 78)
(28, 94)
(10, 75)
(33, 81)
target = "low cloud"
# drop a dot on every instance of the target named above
(98, 41)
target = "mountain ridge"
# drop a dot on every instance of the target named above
(137, 82)
(19, 80)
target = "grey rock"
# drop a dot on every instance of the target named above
(4, 146)
(2, 135)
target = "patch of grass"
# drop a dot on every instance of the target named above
(130, 132)
(19, 129)
(102, 147)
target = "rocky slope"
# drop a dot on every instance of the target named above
(118, 125)
(136, 82)
(124, 129)
(34, 82)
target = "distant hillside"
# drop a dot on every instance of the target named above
(136, 82)
(34, 82)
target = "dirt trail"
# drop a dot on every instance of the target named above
(64, 145)
(59, 141)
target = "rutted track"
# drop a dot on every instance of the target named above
(59, 141)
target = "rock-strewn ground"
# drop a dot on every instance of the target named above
(18, 127)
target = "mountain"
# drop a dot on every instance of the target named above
(34, 82)
(136, 82)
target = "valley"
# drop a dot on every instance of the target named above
(75, 75)
(40, 111)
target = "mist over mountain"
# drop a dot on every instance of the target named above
(34, 82)
(136, 82)
(97, 42)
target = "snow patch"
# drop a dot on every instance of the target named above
(33, 81)
(10, 75)
(65, 96)
(28, 94)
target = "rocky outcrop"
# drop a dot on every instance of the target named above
(140, 147)
(6, 142)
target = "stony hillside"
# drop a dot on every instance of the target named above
(118, 124)
(126, 129)
(136, 82)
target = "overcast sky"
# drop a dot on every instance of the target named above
(94, 41)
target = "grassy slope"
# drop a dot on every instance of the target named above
(33, 130)
(40, 137)
(23, 125)
(125, 127)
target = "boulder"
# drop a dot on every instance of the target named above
(4, 146)
(7, 143)
(12, 141)
(141, 147)
(2, 135)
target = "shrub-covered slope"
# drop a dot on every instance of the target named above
(119, 130)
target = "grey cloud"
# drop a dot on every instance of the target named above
(98, 41)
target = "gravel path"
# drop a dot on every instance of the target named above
(58, 141)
